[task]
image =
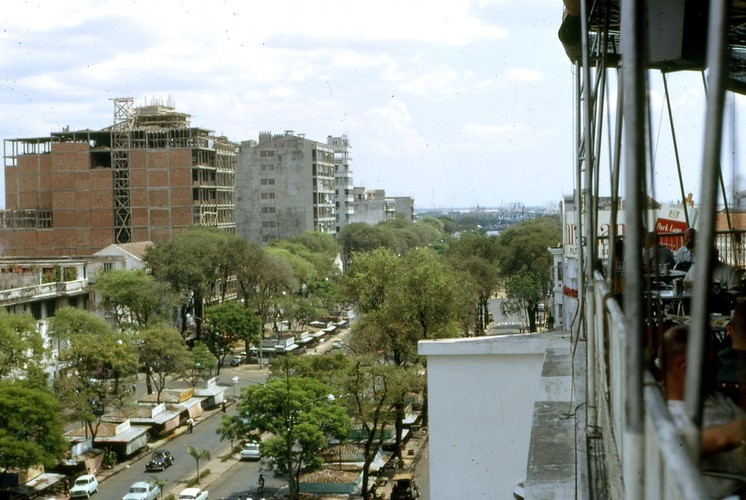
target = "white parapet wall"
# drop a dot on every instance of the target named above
(481, 395)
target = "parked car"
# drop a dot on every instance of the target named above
(337, 344)
(405, 487)
(85, 486)
(250, 451)
(238, 360)
(193, 494)
(159, 460)
(143, 490)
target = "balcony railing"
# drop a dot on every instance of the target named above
(665, 470)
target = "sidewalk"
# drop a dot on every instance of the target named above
(216, 465)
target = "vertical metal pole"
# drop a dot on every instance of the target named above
(615, 177)
(578, 198)
(589, 236)
(633, 46)
(675, 148)
(716, 61)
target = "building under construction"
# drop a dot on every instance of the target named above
(145, 178)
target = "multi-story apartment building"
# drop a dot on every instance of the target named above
(144, 178)
(285, 185)
(342, 160)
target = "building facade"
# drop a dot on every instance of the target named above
(285, 185)
(343, 174)
(145, 178)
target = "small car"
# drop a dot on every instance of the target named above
(143, 490)
(85, 486)
(159, 460)
(337, 344)
(193, 494)
(251, 451)
(238, 360)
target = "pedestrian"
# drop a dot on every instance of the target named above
(224, 405)
(190, 424)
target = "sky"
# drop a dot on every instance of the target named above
(456, 103)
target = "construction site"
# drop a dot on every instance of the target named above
(144, 178)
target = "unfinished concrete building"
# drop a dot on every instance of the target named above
(145, 178)
(285, 185)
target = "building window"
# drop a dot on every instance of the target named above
(267, 238)
(267, 196)
(108, 266)
(268, 210)
(266, 154)
(267, 182)
(266, 224)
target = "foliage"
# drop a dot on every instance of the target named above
(397, 235)
(403, 300)
(190, 263)
(525, 264)
(98, 361)
(132, 297)
(30, 426)
(201, 365)
(21, 345)
(300, 417)
(164, 355)
(226, 323)
(476, 255)
(198, 455)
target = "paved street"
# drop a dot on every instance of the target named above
(203, 437)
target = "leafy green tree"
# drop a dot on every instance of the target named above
(164, 355)
(98, 361)
(476, 254)
(21, 345)
(132, 297)
(524, 263)
(404, 300)
(198, 455)
(300, 416)
(94, 349)
(31, 430)
(201, 365)
(226, 324)
(190, 263)
(371, 391)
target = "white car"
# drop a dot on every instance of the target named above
(143, 490)
(193, 494)
(85, 486)
(250, 451)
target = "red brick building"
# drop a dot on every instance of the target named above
(145, 178)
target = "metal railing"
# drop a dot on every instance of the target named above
(669, 471)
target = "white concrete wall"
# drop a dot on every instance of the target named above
(481, 395)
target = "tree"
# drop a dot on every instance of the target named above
(30, 427)
(476, 254)
(190, 263)
(132, 297)
(200, 366)
(370, 391)
(21, 345)
(525, 264)
(299, 414)
(404, 300)
(98, 360)
(164, 355)
(198, 455)
(226, 323)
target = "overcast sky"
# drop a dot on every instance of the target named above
(456, 103)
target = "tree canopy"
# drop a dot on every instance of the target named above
(31, 431)
(524, 263)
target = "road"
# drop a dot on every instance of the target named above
(204, 437)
